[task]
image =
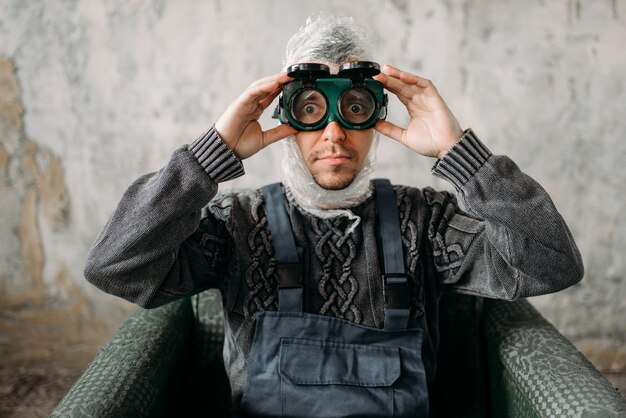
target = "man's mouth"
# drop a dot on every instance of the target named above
(334, 155)
(335, 158)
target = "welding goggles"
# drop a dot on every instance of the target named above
(316, 97)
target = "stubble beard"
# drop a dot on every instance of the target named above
(338, 178)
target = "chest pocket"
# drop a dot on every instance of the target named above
(351, 380)
(310, 362)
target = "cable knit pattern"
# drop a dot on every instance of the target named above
(410, 245)
(261, 277)
(449, 256)
(335, 251)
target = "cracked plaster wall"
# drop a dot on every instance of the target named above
(94, 94)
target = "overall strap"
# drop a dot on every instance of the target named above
(285, 250)
(395, 281)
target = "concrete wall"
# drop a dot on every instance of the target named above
(96, 93)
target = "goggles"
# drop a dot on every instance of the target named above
(316, 97)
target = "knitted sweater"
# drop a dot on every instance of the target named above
(172, 235)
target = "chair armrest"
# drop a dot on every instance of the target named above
(536, 372)
(128, 375)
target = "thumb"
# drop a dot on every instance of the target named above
(281, 131)
(391, 130)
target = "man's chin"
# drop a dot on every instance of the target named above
(334, 182)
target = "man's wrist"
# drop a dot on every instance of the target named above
(451, 143)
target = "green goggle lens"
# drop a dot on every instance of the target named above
(309, 106)
(357, 105)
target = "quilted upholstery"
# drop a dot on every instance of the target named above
(536, 372)
(496, 359)
(134, 369)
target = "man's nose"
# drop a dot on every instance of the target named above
(333, 132)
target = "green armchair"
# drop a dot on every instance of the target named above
(496, 359)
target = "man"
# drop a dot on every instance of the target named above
(320, 333)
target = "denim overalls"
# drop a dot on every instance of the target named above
(308, 365)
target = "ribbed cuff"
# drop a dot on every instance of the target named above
(463, 160)
(219, 161)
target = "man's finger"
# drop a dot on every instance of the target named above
(259, 92)
(270, 98)
(393, 86)
(403, 90)
(281, 131)
(421, 82)
(391, 70)
(407, 77)
(417, 80)
(282, 78)
(392, 131)
(253, 95)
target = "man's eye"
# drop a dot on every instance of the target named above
(310, 109)
(356, 108)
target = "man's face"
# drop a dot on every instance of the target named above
(334, 155)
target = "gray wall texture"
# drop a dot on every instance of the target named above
(95, 93)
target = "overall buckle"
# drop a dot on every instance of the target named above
(396, 290)
(289, 276)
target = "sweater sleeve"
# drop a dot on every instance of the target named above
(161, 243)
(501, 236)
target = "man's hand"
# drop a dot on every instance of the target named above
(239, 127)
(432, 129)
